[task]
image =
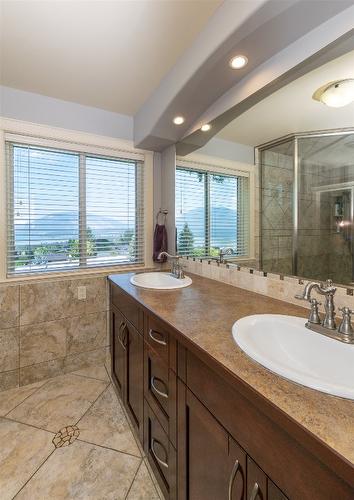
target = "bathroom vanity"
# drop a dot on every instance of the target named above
(213, 423)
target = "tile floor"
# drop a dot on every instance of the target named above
(68, 438)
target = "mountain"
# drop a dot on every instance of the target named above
(61, 226)
(224, 224)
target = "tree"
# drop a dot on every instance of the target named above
(74, 245)
(125, 238)
(132, 248)
(185, 240)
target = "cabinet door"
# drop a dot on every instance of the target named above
(118, 351)
(274, 492)
(256, 482)
(213, 466)
(134, 390)
(237, 480)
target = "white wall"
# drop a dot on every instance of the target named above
(229, 150)
(40, 109)
(168, 173)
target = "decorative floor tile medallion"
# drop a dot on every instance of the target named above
(66, 435)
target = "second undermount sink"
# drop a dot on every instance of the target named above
(285, 346)
(160, 281)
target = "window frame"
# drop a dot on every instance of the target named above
(216, 165)
(92, 145)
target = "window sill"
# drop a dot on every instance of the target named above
(74, 274)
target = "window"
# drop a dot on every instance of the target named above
(212, 213)
(69, 210)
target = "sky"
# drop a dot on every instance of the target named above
(47, 182)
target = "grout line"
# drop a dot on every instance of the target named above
(109, 375)
(45, 382)
(153, 479)
(87, 376)
(65, 357)
(108, 448)
(131, 484)
(35, 472)
(28, 425)
(94, 402)
(25, 325)
(132, 428)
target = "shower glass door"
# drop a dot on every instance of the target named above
(324, 236)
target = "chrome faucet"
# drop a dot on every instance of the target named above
(327, 326)
(223, 252)
(176, 268)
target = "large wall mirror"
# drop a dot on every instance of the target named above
(300, 141)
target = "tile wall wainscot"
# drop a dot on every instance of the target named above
(273, 285)
(46, 331)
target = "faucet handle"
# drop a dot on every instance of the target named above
(314, 316)
(345, 310)
(345, 326)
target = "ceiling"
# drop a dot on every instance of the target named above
(292, 109)
(106, 54)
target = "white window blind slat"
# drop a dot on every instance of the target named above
(69, 210)
(212, 213)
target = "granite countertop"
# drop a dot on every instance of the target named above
(205, 313)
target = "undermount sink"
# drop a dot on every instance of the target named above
(159, 281)
(285, 346)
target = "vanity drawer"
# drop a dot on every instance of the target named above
(160, 339)
(128, 306)
(160, 387)
(160, 453)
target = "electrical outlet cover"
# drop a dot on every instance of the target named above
(81, 292)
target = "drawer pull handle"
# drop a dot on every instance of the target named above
(151, 335)
(153, 386)
(161, 462)
(255, 492)
(232, 477)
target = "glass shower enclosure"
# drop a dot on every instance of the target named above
(307, 206)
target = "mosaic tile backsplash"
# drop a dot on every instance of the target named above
(273, 285)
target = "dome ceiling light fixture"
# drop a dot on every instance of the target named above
(238, 62)
(336, 94)
(206, 127)
(178, 120)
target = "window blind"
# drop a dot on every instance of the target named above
(68, 210)
(212, 213)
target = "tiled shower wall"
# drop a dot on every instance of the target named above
(277, 208)
(45, 330)
(323, 253)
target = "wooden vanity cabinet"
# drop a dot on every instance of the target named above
(211, 465)
(127, 356)
(160, 453)
(118, 352)
(208, 436)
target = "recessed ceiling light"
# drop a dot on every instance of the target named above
(205, 127)
(238, 62)
(178, 120)
(336, 94)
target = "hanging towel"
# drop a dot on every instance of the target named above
(160, 243)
